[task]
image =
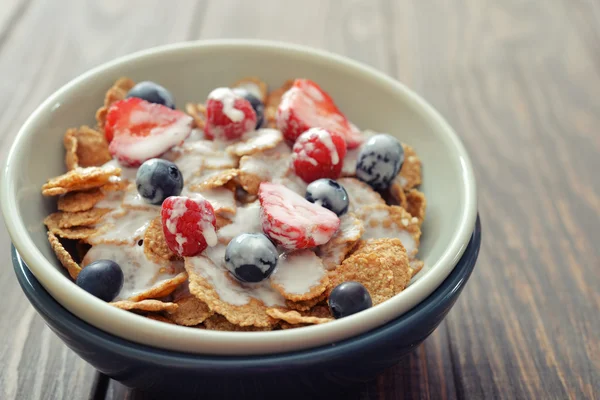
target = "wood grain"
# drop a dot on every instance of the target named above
(519, 82)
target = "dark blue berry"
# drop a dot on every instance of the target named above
(102, 278)
(329, 194)
(257, 105)
(152, 92)
(379, 161)
(251, 257)
(158, 179)
(349, 298)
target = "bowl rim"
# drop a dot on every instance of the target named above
(130, 326)
(442, 298)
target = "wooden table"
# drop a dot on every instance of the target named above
(520, 82)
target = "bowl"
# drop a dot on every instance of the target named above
(308, 372)
(190, 70)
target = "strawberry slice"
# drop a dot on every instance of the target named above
(293, 222)
(318, 154)
(307, 106)
(138, 130)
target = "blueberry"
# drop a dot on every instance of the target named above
(257, 105)
(349, 298)
(158, 179)
(379, 161)
(329, 194)
(251, 257)
(102, 278)
(152, 92)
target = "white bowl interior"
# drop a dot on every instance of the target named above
(190, 71)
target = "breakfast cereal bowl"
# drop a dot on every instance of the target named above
(190, 71)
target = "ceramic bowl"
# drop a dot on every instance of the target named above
(190, 71)
(308, 373)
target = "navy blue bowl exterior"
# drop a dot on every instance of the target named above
(308, 372)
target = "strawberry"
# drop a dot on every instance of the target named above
(228, 115)
(318, 154)
(306, 106)
(293, 222)
(189, 224)
(138, 130)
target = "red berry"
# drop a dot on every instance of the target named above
(293, 222)
(228, 116)
(318, 154)
(138, 130)
(189, 224)
(307, 106)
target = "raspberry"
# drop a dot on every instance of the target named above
(228, 115)
(318, 154)
(292, 221)
(189, 224)
(138, 130)
(307, 106)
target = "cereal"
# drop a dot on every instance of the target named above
(191, 310)
(104, 216)
(349, 232)
(252, 313)
(80, 201)
(117, 92)
(383, 221)
(155, 245)
(219, 323)
(198, 112)
(145, 305)
(306, 305)
(294, 317)
(300, 276)
(410, 174)
(359, 193)
(416, 204)
(63, 256)
(273, 100)
(79, 179)
(85, 147)
(254, 86)
(256, 142)
(164, 288)
(215, 179)
(373, 270)
(62, 219)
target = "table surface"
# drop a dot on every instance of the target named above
(518, 79)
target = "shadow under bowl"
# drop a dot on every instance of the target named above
(308, 373)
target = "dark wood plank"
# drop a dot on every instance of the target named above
(518, 82)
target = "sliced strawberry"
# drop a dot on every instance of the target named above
(138, 130)
(318, 154)
(307, 106)
(228, 115)
(293, 222)
(189, 224)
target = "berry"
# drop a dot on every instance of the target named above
(251, 257)
(228, 115)
(102, 278)
(189, 224)
(379, 161)
(158, 179)
(293, 222)
(257, 105)
(153, 93)
(348, 298)
(329, 194)
(318, 154)
(307, 106)
(138, 130)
